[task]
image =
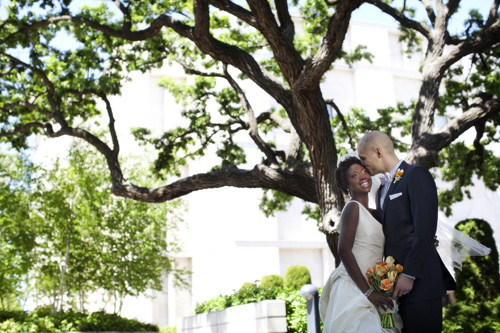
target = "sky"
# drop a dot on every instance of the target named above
(366, 12)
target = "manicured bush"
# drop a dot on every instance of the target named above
(296, 276)
(271, 281)
(247, 285)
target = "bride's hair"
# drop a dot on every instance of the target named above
(341, 172)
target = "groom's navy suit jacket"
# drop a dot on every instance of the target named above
(409, 217)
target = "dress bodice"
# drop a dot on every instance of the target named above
(368, 245)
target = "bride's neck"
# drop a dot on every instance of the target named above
(362, 199)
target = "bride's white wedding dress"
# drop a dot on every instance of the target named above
(343, 307)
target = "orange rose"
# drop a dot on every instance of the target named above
(399, 268)
(389, 260)
(381, 268)
(370, 272)
(392, 275)
(386, 284)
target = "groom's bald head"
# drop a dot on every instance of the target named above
(376, 150)
(376, 139)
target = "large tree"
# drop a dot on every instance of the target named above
(48, 89)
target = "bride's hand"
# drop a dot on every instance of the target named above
(381, 299)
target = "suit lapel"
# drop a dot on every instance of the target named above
(391, 189)
(377, 204)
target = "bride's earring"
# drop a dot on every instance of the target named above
(349, 193)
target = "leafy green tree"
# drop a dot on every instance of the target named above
(479, 279)
(49, 89)
(88, 240)
(477, 308)
(16, 239)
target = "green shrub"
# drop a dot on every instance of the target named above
(168, 329)
(17, 315)
(10, 325)
(296, 276)
(271, 281)
(247, 285)
(296, 307)
(41, 321)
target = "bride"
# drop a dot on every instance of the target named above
(347, 303)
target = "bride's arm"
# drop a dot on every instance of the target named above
(349, 220)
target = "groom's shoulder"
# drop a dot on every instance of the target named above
(411, 167)
(417, 170)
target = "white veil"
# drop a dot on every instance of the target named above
(455, 246)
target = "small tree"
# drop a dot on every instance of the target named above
(16, 240)
(478, 300)
(64, 230)
(479, 279)
(89, 240)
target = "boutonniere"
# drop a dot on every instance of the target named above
(398, 175)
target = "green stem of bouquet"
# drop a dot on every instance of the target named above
(388, 320)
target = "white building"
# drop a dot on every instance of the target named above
(229, 241)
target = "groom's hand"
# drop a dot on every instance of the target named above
(404, 285)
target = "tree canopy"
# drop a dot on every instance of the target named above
(49, 90)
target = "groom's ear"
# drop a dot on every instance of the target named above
(378, 151)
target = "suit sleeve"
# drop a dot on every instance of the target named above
(422, 194)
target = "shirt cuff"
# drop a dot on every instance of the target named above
(411, 277)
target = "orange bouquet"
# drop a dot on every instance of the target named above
(382, 277)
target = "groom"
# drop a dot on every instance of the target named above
(407, 206)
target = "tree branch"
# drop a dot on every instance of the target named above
(111, 125)
(223, 52)
(401, 18)
(342, 120)
(482, 107)
(493, 15)
(234, 56)
(424, 151)
(238, 11)
(331, 46)
(294, 148)
(287, 27)
(281, 122)
(252, 121)
(430, 11)
(486, 39)
(260, 177)
(287, 57)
